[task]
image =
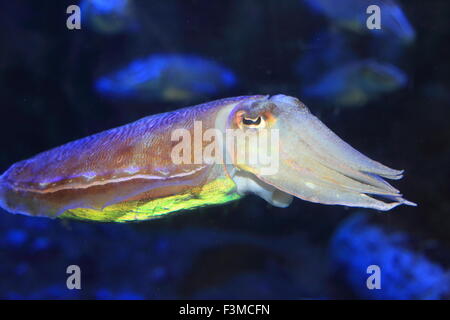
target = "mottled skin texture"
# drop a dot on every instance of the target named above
(110, 167)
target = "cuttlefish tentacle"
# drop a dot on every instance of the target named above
(128, 173)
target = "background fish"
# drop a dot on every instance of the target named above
(351, 15)
(167, 77)
(356, 83)
(109, 16)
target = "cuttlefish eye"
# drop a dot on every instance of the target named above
(252, 122)
(257, 122)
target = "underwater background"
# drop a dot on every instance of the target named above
(383, 91)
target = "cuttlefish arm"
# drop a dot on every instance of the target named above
(128, 173)
(314, 164)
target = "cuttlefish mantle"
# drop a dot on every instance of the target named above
(129, 173)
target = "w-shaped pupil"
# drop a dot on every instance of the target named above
(252, 122)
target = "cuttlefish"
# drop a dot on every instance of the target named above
(139, 171)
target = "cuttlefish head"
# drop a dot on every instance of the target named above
(280, 150)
